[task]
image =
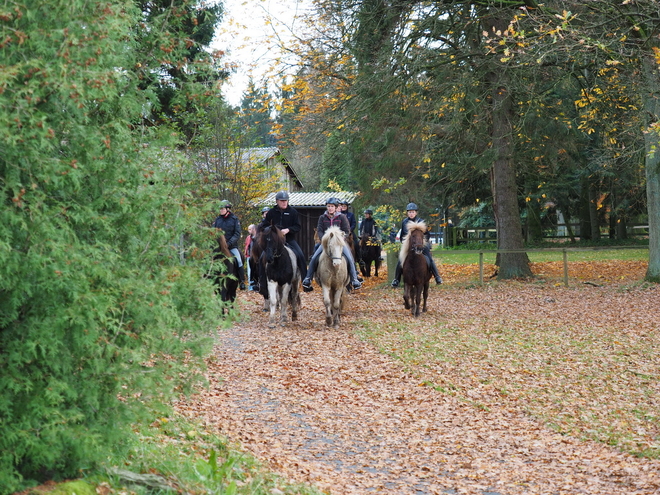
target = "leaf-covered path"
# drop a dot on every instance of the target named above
(324, 407)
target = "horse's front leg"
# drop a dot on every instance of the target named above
(406, 296)
(418, 300)
(294, 297)
(426, 295)
(272, 301)
(336, 307)
(284, 299)
(327, 302)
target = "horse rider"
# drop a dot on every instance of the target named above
(369, 226)
(352, 222)
(331, 218)
(231, 227)
(285, 218)
(411, 211)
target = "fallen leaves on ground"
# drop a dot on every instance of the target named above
(506, 388)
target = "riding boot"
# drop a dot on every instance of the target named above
(241, 277)
(397, 274)
(434, 270)
(313, 263)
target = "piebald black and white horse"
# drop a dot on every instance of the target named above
(282, 275)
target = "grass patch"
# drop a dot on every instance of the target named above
(176, 455)
(588, 380)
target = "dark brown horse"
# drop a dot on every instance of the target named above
(281, 273)
(224, 272)
(415, 269)
(370, 250)
(259, 264)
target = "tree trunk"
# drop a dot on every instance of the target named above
(503, 173)
(652, 165)
(593, 212)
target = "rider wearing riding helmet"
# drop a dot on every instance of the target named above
(352, 222)
(411, 211)
(231, 227)
(285, 218)
(331, 218)
(369, 226)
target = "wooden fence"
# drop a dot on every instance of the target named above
(455, 236)
(564, 252)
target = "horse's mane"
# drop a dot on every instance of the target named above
(222, 246)
(405, 245)
(277, 236)
(338, 234)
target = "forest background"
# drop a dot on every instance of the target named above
(106, 109)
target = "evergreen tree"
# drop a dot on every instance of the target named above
(97, 312)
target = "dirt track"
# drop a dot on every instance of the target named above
(323, 407)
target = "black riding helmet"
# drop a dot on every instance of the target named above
(411, 206)
(332, 201)
(282, 195)
(368, 212)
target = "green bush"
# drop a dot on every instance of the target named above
(97, 311)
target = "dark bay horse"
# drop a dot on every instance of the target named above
(258, 260)
(282, 275)
(224, 271)
(370, 250)
(415, 270)
(332, 275)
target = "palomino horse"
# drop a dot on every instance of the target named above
(415, 270)
(282, 275)
(332, 275)
(224, 272)
(370, 250)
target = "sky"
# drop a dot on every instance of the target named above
(246, 35)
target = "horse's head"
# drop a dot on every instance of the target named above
(333, 244)
(415, 241)
(272, 243)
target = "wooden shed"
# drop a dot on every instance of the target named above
(310, 205)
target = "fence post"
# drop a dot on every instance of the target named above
(565, 267)
(481, 267)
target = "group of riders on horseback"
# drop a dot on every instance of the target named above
(286, 219)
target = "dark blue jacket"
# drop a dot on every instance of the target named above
(231, 226)
(351, 220)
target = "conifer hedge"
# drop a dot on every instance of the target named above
(98, 313)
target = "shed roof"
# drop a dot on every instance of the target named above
(311, 198)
